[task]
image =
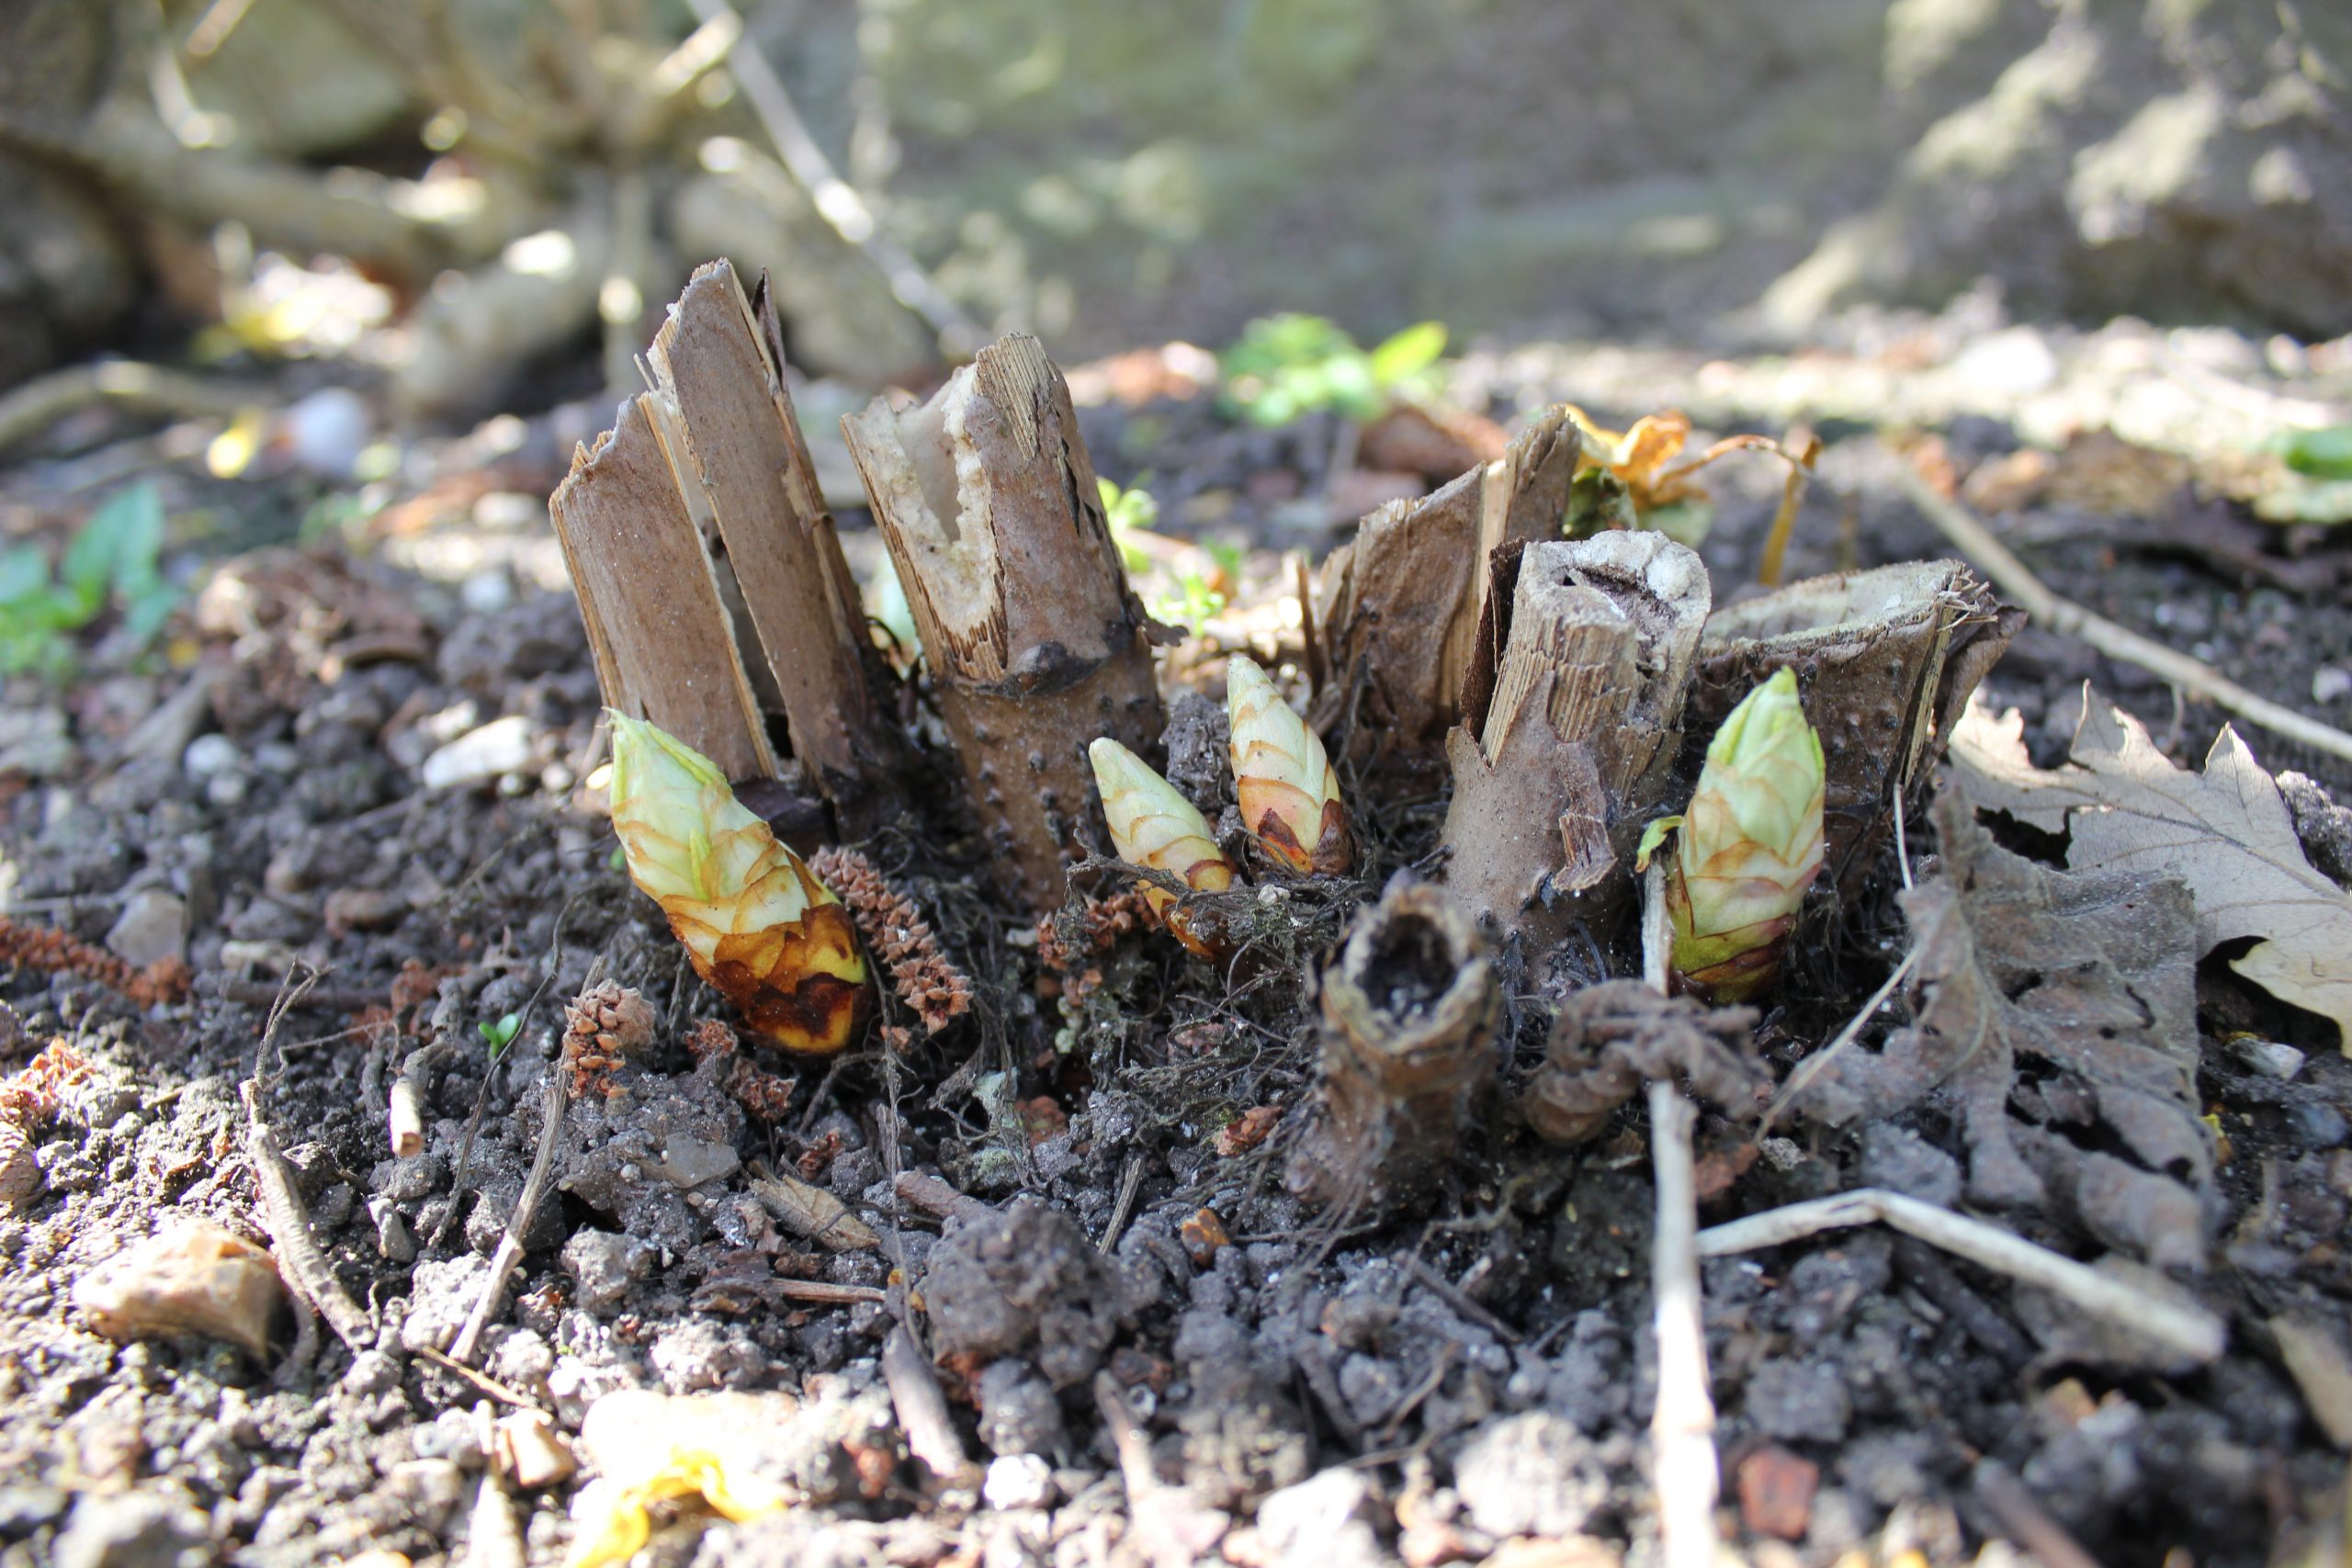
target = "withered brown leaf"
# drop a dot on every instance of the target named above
(2225, 832)
(2056, 1013)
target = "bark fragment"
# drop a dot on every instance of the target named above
(1571, 710)
(1886, 659)
(1397, 610)
(990, 506)
(663, 641)
(1410, 1013)
(719, 362)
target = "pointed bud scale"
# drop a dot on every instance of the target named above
(1749, 846)
(1152, 825)
(755, 921)
(1289, 793)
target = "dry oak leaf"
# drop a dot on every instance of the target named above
(2057, 1018)
(2225, 832)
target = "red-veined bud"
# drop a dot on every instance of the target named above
(1749, 846)
(1289, 793)
(755, 921)
(1153, 825)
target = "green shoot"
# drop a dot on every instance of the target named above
(112, 560)
(1290, 366)
(500, 1034)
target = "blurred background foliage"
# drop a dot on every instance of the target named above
(505, 175)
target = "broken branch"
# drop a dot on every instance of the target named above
(1410, 1013)
(2064, 616)
(990, 506)
(2192, 1331)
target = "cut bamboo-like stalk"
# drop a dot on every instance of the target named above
(1410, 1013)
(990, 506)
(1886, 659)
(1395, 612)
(1571, 722)
(663, 642)
(719, 361)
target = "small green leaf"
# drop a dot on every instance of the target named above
(2319, 503)
(2325, 453)
(118, 547)
(1652, 836)
(1408, 353)
(500, 1034)
(23, 571)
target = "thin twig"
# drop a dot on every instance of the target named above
(1682, 1424)
(302, 1262)
(44, 401)
(483, 1380)
(1972, 539)
(1127, 1438)
(2005, 1497)
(2191, 1331)
(836, 200)
(922, 1406)
(825, 1292)
(1461, 1301)
(1811, 1067)
(318, 998)
(300, 1258)
(935, 1198)
(490, 1071)
(1658, 929)
(1130, 1183)
(527, 1209)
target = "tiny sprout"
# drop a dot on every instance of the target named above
(500, 1034)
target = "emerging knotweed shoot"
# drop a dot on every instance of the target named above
(1289, 793)
(1749, 846)
(754, 919)
(1152, 825)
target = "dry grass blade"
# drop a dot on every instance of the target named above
(1972, 539)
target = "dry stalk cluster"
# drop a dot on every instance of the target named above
(29, 1096)
(61, 952)
(766, 1095)
(1409, 1057)
(603, 1026)
(923, 975)
(1609, 1039)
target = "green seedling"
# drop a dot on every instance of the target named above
(2323, 454)
(1290, 366)
(1128, 512)
(500, 1034)
(112, 560)
(1193, 596)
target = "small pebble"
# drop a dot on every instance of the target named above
(151, 928)
(501, 746)
(326, 431)
(1019, 1481)
(209, 754)
(2315, 1125)
(488, 592)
